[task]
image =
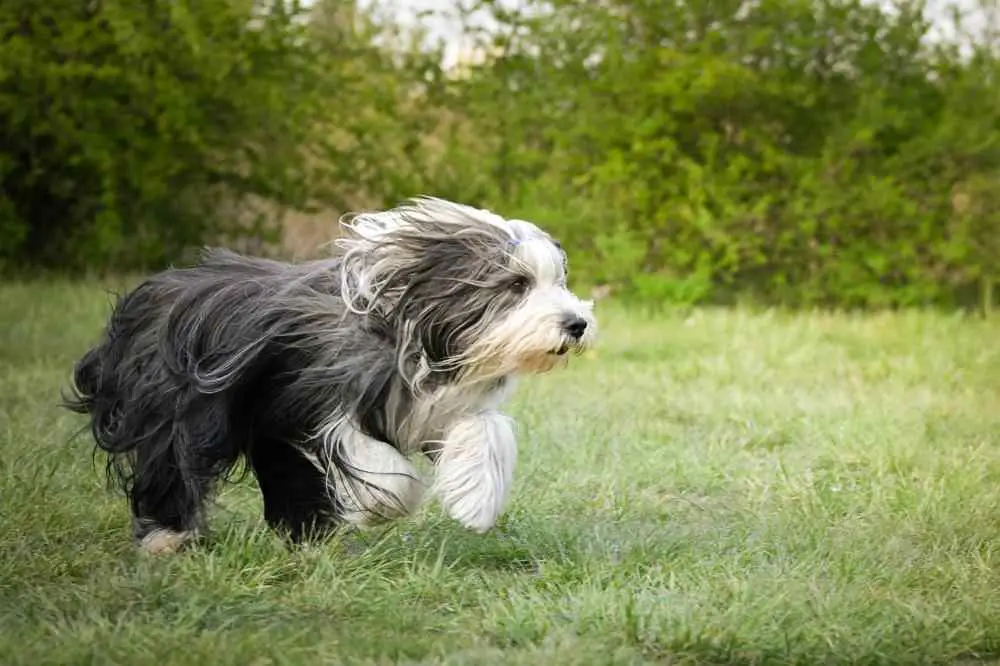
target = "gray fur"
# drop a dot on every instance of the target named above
(240, 357)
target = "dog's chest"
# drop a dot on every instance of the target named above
(431, 416)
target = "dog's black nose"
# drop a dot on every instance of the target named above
(575, 326)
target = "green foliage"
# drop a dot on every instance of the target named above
(124, 125)
(803, 152)
(799, 152)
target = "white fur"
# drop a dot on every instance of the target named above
(163, 541)
(385, 485)
(478, 448)
(476, 467)
(523, 341)
(478, 453)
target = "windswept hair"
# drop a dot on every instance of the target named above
(294, 367)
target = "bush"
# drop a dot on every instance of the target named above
(800, 152)
(124, 125)
(803, 152)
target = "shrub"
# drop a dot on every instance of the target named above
(800, 152)
(124, 125)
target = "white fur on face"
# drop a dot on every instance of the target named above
(532, 336)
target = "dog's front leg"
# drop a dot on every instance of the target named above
(475, 466)
(373, 481)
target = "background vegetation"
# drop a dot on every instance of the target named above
(712, 485)
(803, 152)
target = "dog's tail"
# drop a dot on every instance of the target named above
(103, 375)
(92, 392)
(176, 348)
(82, 396)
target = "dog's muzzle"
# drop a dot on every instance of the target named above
(573, 329)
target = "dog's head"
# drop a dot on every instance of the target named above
(467, 290)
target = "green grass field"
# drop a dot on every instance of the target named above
(719, 487)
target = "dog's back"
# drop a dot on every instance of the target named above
(173, 351)
(169, 323)
(234, 356)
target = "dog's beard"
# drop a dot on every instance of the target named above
(532, 338)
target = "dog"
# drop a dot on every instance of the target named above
(326, 377)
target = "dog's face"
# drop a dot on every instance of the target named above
(541, 319)
(467, 289)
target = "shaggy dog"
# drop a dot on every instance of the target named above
(325, 376)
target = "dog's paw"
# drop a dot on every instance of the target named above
(164, 542)
(473, 515)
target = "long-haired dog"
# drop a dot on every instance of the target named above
(325, 377)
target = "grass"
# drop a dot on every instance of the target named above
(719, 487)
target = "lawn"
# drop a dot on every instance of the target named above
(713, 487)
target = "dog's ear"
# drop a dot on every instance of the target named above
(389, 254)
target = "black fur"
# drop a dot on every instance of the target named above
(239, 358)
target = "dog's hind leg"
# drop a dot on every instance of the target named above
(294, 487)
(166, 500)
(174, 470)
